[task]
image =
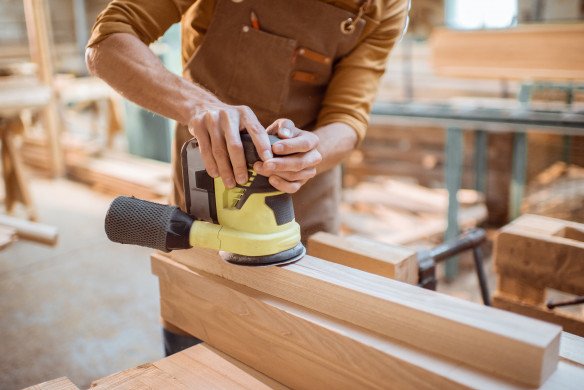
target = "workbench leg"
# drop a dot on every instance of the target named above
(518, 174)
(453, 175)
(481, 151)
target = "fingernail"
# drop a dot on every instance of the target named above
(229, 183)
(257, 166)
(270, 166)
(267, 154)
(285, 132)
(241, 179)
(278, 148)
(213, 174)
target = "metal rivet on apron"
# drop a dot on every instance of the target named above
(245, 28)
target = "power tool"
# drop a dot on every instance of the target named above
(251, 224)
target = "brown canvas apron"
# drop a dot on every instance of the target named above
(280, 71)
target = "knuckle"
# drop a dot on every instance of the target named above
(234, 144)
(284, 122)
(294, 187)
(305, 144)
(317, 158)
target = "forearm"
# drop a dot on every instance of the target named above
(130, 67)
(336, 141)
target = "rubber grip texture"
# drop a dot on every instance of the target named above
(152, 225)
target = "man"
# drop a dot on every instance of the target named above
(306, 70)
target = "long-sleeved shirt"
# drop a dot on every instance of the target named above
(355, 79)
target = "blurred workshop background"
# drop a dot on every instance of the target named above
(479, 119)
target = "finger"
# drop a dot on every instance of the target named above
(230, 127)
(284, 185)
(281, 128)
(219, 149)
(291, 163)
(303, 175)
(257, 132)
(199, 130)
(299, 144)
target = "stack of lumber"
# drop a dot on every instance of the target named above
(110, 172)
(402, 213)
(419, 153)
(534, 254)
(318, 324)
(406, 152)
(538, 51)
(123, 174)
(557, 192)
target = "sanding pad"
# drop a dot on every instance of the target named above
(286, 257)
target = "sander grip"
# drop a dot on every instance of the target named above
(138, 222)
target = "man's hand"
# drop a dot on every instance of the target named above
(216, 127)
(297, 157)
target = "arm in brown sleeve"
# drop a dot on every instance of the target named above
(147, 20)
(354, 84)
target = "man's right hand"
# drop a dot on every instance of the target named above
(147, 83)
(216, 126)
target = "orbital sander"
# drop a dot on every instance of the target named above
(251, 224)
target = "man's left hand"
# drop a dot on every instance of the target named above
(296, 157)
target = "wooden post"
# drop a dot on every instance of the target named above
(516, 347)
(40, 36)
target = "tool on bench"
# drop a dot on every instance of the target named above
(251, 224)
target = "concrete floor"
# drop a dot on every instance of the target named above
(84, 309)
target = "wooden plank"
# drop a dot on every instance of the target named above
(7, 236)
(39, 36)
(520, 290)
(145, 376)
(510, 345)
(62, 383)
(387, 260)
(16, 185)
(302, 348)
(572, 348)
(570, 323)
(540, 51)
(203, 367)
(532, 249)
(199, 367)
(34, 231)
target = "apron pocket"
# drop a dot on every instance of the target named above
(261, 78)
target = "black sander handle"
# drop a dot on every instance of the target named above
(153, 225)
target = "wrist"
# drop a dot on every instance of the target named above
(194, 99)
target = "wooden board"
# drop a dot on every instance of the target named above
(387, 260)
(302, 348)
(572, 348)
(545, 252)
(570, 323)
(520, 290)
(528, 52)
(62, 383)
(510, 345)
(199, 367)
(45, 234)
(7, 236)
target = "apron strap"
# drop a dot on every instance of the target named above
(348, 25)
